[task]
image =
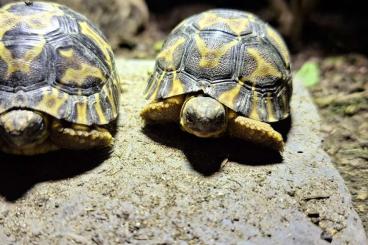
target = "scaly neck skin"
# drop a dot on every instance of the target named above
(203, 116)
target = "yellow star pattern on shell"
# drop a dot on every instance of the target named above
(78, 76)
(237, 25)
(37, 21)
(176, 85)
(52, 101)
(22, 64)
(263, 68)
(102, 44)
(167, 54)
(210, 57)
(229, 96)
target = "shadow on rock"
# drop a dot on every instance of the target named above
(18, 174)
(207, 155)
(283, 127)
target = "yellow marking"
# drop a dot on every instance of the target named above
(229, 97)
(286, 105)
(52, 102)
(150, 85)
(110, 98)
(270, 111)
(101, 43)
(8, 122)
(117, 82)
(22, 64)
(36, 21)
(79, 76)
(263, 68)
(177, 86)
(69, 53)
(210, 57)
(237, 25)
(253, 112)
(167, 54)
(99, 111)
(158, 83)
(81, 111)
(280, 44)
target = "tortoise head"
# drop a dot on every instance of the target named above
(203, 116)
(23, 128)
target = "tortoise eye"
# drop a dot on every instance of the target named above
(190, 118)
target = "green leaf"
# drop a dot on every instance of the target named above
(309, 74)
(157, 46)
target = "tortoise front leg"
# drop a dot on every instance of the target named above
(255, 131)
(164, 111)
(78, 137)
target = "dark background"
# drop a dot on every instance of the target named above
(333, 26)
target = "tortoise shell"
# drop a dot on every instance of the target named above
(56, 61)
(230, 55)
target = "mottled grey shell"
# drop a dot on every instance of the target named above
(230, 55)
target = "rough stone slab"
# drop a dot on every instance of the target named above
(161, 185)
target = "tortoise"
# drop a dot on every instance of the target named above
(58, 83)
(222, 72)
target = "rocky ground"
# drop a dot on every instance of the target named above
(342, 98)
(161, 186)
